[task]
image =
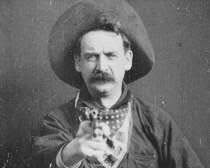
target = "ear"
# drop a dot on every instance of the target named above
(77, 63)
(129, 60)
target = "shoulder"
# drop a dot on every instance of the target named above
(62, 110)
(65, 115)
(151, 115)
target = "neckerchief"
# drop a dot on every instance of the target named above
(117, 118)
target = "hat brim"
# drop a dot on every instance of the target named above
(81, 18)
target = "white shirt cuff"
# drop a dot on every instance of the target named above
(59, 161)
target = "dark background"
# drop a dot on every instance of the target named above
(179, 83)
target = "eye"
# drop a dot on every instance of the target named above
(111, 55)
(91, 57)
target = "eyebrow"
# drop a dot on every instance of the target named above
(89, 53)
(106, 53)
(110, 52)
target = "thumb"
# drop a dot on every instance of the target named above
(84, 128)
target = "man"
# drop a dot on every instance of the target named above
(99, 47)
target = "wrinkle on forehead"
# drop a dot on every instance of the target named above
(97, 41)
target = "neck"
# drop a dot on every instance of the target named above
(107, 100)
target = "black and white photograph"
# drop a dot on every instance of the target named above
(104, 83)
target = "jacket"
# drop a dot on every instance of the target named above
(155, 140)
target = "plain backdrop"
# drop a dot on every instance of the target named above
(179, 82)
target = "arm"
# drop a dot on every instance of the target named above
(64, 142)
(56, 131)
(176, 149)
(173, 147)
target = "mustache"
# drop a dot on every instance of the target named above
(101, 77)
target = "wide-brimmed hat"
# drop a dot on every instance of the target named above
(86, 15)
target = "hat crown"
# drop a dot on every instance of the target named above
(109, 19)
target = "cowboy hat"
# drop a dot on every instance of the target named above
(86, 15)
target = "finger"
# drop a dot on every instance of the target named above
(98, 154)
(97, 132)
(95, 145)
(86, 151)
(84, 128)
(85, 125)
(86, 137)
(104, 128)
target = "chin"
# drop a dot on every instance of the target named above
(102, 89)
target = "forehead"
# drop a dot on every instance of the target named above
(101, 40)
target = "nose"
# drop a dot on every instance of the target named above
(102, 63)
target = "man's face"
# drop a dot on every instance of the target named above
(103, 61)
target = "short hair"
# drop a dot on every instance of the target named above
(110, 27)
